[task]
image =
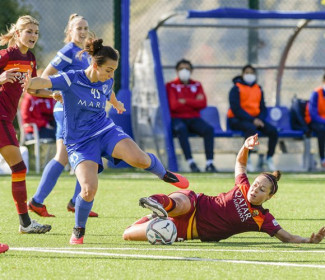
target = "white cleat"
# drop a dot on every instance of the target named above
(35, 227)
(154, 206)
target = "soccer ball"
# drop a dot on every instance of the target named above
(161, 232)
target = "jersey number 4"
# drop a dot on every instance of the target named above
(95, 93)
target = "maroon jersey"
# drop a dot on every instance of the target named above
(219, 217)
(10, 92)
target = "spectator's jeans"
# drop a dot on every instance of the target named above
(183, 127)
(250, 129)
(319, 129)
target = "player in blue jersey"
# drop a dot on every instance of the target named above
(89, 134)
(66, 59)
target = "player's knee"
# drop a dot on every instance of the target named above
(88, 194)
(126, 234)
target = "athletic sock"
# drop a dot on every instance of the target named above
(51, 173)
(167, 202)
(18, 187)
(82, 210)
(156, 166)
(24, 219)
(77, 190)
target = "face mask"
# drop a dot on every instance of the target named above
(184, 75)
(249, 78)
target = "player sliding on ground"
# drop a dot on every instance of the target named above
(213, 218)
(90, 135)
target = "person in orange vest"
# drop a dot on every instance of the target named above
(248, 112)
(315, 117)
(186, 99)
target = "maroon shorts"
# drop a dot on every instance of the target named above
(8, 135)
(184, 222)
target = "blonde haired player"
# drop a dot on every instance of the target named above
(15, 61)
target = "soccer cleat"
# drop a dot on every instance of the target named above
(77, 236)
(154, 206)
(41, 211)
(3, 248)
(35, 227)
(194, 168)
(70, 208)
(177, 180)
(211, 168)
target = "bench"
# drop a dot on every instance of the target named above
(278, 116)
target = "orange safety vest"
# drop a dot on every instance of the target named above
(320, 105)
(249, 99)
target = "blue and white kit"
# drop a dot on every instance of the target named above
(89, 134)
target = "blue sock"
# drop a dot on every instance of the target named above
(51, 173)
(156, 166)
(77, 190)
(83, 209)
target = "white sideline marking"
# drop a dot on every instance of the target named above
(47, 250)
(156, 248)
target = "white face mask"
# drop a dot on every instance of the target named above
(184, 75)
(249, 78)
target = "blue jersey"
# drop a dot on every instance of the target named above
(84, 105)
(68, 59)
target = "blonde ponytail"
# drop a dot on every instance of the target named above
(73, 18)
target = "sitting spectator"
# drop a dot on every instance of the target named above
(39, 111)
(186, 99)
(247, 112)
(315, 117)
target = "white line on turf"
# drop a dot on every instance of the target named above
(47, 250)
(156, 248)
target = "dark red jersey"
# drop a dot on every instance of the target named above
(219, 217)
(10, 92)
(177, 90)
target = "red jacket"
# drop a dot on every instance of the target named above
(190, 92)
(36, 110)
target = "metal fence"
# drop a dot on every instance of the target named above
(219, 51)
(54, 14)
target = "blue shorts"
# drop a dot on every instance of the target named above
(97, 147)
(59, 117)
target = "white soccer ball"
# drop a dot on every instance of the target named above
(161, 232)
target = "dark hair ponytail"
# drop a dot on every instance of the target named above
(99, 52)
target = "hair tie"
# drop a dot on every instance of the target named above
(275, 186)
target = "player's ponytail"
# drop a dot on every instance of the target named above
(73, 18)
(100, 53)
(10, 37)
(273, 177)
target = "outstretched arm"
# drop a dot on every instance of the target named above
(36, 83)
(287, 237)
(38, 87)
(242, 156)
